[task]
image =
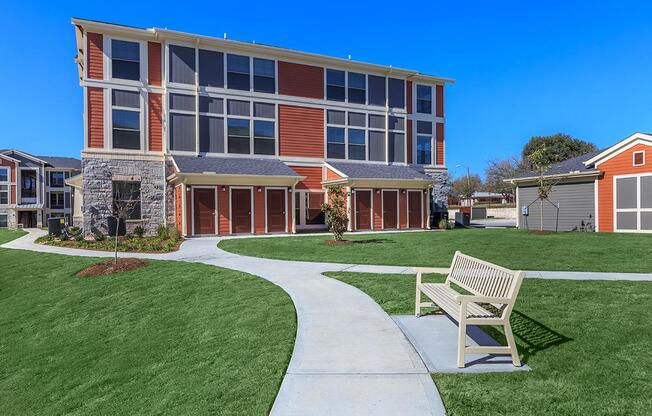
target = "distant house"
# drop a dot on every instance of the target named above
(608, 190)
(482, 197)
(33, 188)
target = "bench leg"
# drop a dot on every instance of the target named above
(417, 305)
(461, 337)
(512, 344)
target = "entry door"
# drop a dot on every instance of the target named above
(241, 211)
(363, 210)
(415, 208)
(204, 210)
(276, 210)
(390, 208)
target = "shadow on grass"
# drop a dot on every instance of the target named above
(373, 241)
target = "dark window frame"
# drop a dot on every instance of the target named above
(136, 213)
(116, 62)
(333, 89)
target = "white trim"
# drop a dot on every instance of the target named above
(596, 206)
(618, 148)
(251, 213)
(638, 210)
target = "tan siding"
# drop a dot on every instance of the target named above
(301, 131)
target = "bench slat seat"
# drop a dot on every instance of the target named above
(488, 284)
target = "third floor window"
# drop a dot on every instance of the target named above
(56, 179)
(237, 76)
(125, 60)
(424, 99)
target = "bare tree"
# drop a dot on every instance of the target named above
(123, 201)
(540, 164)
(498, 170)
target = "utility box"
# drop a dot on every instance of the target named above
(55, 225)
(462, 219)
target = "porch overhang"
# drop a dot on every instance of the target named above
(211, 178)
(379, 183)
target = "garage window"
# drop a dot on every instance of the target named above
(634, 203)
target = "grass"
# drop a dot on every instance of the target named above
(173, 338)
(516, 249)
(586, 341)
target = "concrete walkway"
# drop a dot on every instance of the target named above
(349, 356)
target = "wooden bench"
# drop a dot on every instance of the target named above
(488, 284)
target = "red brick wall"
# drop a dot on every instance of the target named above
(300, 80)
(154, 63)
(439, 101)
(223, 210)
(439, 145)
(95, 117)
(95, 56)
(313, 176)
(301, 131)
(155, 120)
(259, 210)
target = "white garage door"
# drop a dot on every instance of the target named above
(633, 203)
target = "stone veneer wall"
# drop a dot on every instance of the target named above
(170, 204)
(439, 195)
(99, 173)
(12, 218)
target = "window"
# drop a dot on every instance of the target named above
(211, 68)
(335, 85)
(125, 60)
(639, 158)
(126, 119)
(396, 93)
(424, 99)
(264, 141)
(211, 125)
(4, 174)
(56, 179)
(314, 214)
(634, 203)
(126, 199)
(182, 123)
(237, 72)
(357, 144)
(182, 64)
(238, 136)
(3, 220)
(4, 194)
(28, 186)
(264, 75)
(335, 143)
(376, 87)
(56, 200)
(424, 150)
(357, 88)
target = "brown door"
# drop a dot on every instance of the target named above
(241, 210)
(414, 209)
(362, 210)
(275, 210)
(204, 209)
(390, 207)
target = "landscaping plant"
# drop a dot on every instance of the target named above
(337, 219)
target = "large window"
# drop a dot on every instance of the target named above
(335, 84)
(264, 75)
(182, 123)
(424, 142)
(335, 146)
(264, 142)
(396, 93)
(182, 64)
(126, 119)
(376, 87)
(3, 220)
(56, 179)
(4, 194)
(211, 68)
(634, 203)
(237, 72)
(4, 174)
(211, 125)
(239, 136)
(126, 199)
(56, 200)
(347, 135)
(424, 99)
(357, 88)
(28, 184)
(125, 60)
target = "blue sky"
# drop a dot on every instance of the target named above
(522, 68)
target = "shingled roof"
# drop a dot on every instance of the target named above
(377, 171)
(61, 162)
(233, 166)
(569, 166)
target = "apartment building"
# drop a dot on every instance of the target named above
(33, 188)
(221, 137)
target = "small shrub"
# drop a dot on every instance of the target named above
(64, 237)
(79, 237)
(174, 234)
(444, 224)
(99, 236)
(139, 231)
(74, 231)
(163, 232)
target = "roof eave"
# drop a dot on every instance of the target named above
(555, 176)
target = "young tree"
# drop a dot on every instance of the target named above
(540, 164)
(556, 148)
(337, 218)
(123, 202)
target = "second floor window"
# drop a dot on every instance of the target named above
(239, 135)
(357, 88)
(4, 175)
(56, 179)
(237, 76)
(335, 147)
(335, 85)
(28, 184)
(424, 150)
(125, 113)
(264, 75)
(125, 60)
(424, 99)
(4, 194)
(56, 200)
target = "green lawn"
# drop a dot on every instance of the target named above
(516, 249)
(172, 338)
(588, 343)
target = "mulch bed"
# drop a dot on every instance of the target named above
(337, 243)
(108, 267)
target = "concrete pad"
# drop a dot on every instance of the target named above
(358, 394)
(435, 339)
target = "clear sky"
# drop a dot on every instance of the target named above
(522, 68)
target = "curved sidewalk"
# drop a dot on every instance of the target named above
(349, 356)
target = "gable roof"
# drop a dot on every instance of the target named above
(23, 154)
(352, 170)
(572, 166)
(619, 147)
(61, 162)
(232, 166)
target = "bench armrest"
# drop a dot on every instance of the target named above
(481, 299)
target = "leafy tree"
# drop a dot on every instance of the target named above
(556, 148)
(497, 171)
(337, 218)
(539, 162)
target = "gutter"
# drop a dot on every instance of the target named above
(515, 181)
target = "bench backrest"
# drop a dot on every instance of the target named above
(483, 278)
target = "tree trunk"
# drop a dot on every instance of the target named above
(541, 214)
(117, 228)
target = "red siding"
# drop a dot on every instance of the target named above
(95, 56)
(409, 141)
(378, 210)
(331, 175)
(259, 210)
(313, 176)
(409, 97)
(154, 63)
(402, 209)
(223, 210)
(301, 131)
(300, 80)
(621, 164)
(439, 101)
(439, 147)
(155, 119)
(95, 114)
